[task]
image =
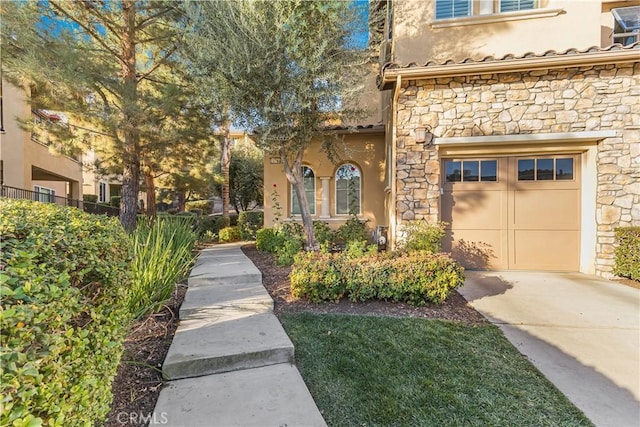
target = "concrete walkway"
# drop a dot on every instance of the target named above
(231, 362)
(580, 331)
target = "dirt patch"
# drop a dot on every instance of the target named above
(627, 282)
(276, 280)
(139, 379)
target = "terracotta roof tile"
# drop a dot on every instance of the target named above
(511, 56)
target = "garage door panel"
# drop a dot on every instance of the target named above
(467, 209)
(544, 250)
(477, 249)
(546, 209)
(528, 217)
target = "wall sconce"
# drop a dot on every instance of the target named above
(424, 135)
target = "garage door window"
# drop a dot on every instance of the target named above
(545, 169)
(470, 170)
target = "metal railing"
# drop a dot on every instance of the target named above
(90, 207)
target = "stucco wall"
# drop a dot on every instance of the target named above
(417, 38)
(20, 153)
(569, 100)
(364, 150)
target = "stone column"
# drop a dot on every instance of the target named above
(325, 212)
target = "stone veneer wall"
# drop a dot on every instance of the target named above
(603, 97)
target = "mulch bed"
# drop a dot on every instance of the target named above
(139, 379)
(276, 280)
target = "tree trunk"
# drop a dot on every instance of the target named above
(151, 193)
(131, 173)
(225, 161)
(129, 195)
(294, 175)
(181, 199)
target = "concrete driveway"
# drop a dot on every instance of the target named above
(582, 332)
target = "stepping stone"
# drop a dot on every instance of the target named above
(228, 266)
(226, 339)
(269, 396)
(250, 296)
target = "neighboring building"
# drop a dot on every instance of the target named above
(27, 163)
(103, 186)
(517, 122)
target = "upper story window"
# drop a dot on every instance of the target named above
(448, 9)
(452, 8)
(514, 5)
(348, 190)
(627, 26)
(309, 179)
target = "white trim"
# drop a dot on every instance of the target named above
(496, 17)
(541, 138)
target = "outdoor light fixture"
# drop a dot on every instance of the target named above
(424, 135)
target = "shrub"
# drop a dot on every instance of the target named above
(352, 231)
(422, 236)
(64, 317)
(196, 211)
(250, 222)
(163, 255)
(229, 234)
(268, 240)
(416, 278)
(293, 230)
(627, 254)
(324, 234)
(318, 277)
(288, 250)
(204, 206)
(91, 198)
(115, 201)
(222, 222)
(207, 224)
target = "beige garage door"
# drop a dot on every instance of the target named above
(518, 213)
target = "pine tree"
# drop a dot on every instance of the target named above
(96, 62)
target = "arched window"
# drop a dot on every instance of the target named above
(309, 179)
(348, 190)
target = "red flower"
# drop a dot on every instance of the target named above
(353, 168)
(274, 186)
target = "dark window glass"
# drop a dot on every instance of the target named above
(452, 8)
(544, 170)
(564, 168)
(471, 171)
(514, 5)
(452, 171)
(489, 170)
(526, 169)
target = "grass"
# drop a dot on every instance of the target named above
(379, 371)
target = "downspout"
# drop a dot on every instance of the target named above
(394, 161)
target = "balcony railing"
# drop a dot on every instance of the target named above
(93, 208)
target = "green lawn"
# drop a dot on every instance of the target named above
(367, 371)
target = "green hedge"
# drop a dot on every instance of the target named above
(229, 234)
(627, 253)
(250, 222)
(416, 278)
(204, 206)
(63, 318)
